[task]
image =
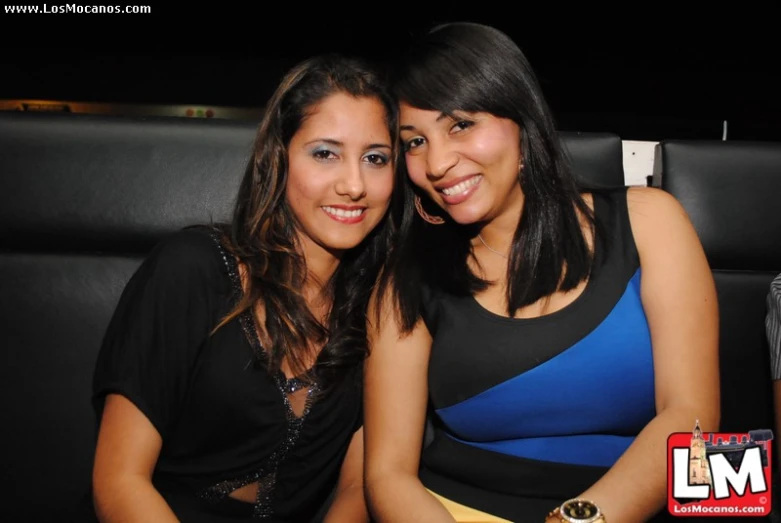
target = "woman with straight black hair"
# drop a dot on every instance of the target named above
(557, 332)
(229, 384)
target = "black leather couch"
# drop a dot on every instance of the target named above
(597, 158)
(732, 193)
(83, 198)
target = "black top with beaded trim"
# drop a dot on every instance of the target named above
(225, 420)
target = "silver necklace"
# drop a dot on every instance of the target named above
(490, 249)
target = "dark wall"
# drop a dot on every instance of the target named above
(631, 75)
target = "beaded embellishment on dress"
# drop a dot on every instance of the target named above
(265, 477)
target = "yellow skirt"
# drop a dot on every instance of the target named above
(464, 514)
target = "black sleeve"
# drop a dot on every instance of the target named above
(429, 308)
(164, 314)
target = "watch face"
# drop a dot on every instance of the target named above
(580, 510)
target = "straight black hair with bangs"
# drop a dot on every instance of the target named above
(475, 68)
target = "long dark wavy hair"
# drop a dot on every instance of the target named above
(475, 68)
(263, 236)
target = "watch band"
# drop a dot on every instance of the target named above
(578, 511)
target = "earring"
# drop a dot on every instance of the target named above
(434, 220)
(520, 172)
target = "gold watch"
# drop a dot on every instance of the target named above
(578, 511)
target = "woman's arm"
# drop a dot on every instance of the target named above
(396, 393)
(349, 505)
(679, 298)
(127, 450)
